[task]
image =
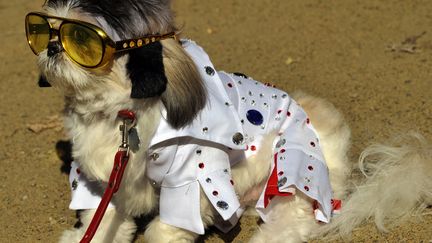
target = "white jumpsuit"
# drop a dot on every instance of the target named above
(239, 112)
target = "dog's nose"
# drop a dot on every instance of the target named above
(54, 47)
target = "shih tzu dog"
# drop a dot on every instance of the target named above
(197, 146)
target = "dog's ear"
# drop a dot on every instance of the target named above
(185, 95)
(146, 71)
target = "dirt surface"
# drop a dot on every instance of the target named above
(370, 58)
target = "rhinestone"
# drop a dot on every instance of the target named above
(147, 41)
(237, 138)
(240, 75)
(132, 44)
(262, 126)
(230, 85)
(154, 156)
(265, 105)
(215, 193)
(205, 129)
(261, 95)
(280, 143)
(253, 102)
(284, 96)
(274, 96)
(209, 70)
(208, 180)
(250, 93)
(310, 167)
(280, 173)
(288, 113)
(125, 45)
(139, 43)
(232, 182)
(312, 144)
(282, 181)
(201, 165)
(78, 171)
(243, 99)
(225, 170)
(222, 205)
(282, 158)
(242, 121)
(74, 184)
(227, 103)
(153, 39)
(306, 188)
(198, 152)
(239, 82)
(256, 83)
(255, 117)
(253, 147)
(153, 183)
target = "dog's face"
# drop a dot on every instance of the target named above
(160, 69)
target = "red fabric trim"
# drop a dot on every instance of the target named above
(272, 188)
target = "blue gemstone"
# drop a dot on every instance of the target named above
(255, 117)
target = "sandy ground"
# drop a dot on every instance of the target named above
(370, 58)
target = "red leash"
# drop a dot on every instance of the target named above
(120, 161)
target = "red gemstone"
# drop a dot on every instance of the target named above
(232, 182)
(306, 188)
(253, 147)
(312, 144)
(282, 151)
(307, 121)
(310, 167)
(279, 111)
(230, 85)
(288, 113)
(201, 165)
(215, 193)
(78, 171)
(280, 173)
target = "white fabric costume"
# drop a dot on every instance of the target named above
(239, 112)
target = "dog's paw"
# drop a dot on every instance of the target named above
(71, 236)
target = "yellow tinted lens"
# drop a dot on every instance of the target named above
(82, 44)
(38, 33)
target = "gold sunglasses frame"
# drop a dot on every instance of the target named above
(109, 47)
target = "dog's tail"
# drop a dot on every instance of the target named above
(398, 184)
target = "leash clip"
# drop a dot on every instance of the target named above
(129, 121)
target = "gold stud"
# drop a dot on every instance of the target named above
(153, 39)
(125, 45)
(132, 44)
(139, 43)
(147, 41)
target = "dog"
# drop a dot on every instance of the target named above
(205, 144)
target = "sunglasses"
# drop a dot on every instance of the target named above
(86, 44)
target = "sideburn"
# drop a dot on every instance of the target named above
(146, 71)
